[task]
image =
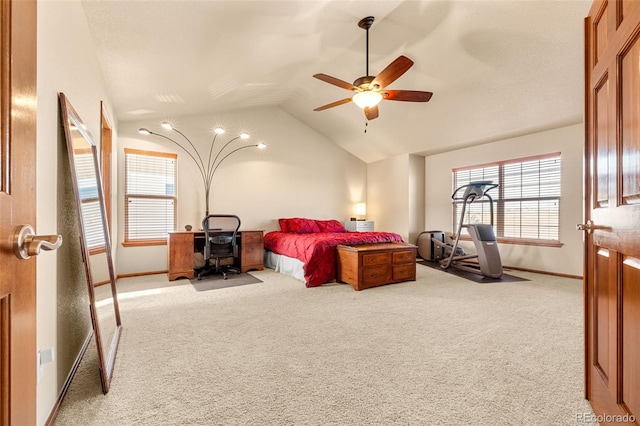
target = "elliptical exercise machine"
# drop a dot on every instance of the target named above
(486, 261)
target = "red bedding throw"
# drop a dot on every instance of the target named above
(318, 250)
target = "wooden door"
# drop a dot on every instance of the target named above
(612, 205)
(17, 207)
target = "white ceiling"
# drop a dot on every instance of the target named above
(497, 69)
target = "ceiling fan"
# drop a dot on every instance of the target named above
(370, 90)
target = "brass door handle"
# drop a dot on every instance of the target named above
(26, 244)
(586, 226)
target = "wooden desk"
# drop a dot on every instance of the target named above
(183, 244)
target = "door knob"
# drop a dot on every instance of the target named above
(586, 226)
(26, 244)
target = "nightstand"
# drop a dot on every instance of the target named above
(359, 225)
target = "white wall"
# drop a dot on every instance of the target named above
(66, 63)
(416, 197)
(299, 174)
(388, 195)
(395, 195)
(567, 140)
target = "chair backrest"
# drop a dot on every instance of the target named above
(220, 231)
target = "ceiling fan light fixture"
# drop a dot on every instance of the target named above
(367, 99)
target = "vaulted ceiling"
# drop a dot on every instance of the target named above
(497, 69)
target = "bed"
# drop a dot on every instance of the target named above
(306, 248)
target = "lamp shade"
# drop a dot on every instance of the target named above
(367, 98)
(361, 209)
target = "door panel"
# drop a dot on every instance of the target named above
(627, 5)
(612, 206)
(602, 144)
(604, 308)
(601, 32)
(17, 207)
(630, 95)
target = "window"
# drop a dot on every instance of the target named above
(526, 202)
(150, 197)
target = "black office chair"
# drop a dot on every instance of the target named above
(220, 231)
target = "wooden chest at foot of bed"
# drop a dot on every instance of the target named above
(370, 265)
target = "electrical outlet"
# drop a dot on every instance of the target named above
(45, 356)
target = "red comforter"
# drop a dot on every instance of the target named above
(317, 250)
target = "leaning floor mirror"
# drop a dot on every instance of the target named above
(95, 240)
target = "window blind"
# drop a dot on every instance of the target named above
(89, 201)
(150, 195)
(527, 200)
(92, 222)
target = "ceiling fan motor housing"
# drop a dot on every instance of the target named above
(364, 82)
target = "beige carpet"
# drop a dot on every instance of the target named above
(439, 351)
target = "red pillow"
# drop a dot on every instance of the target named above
(298, 225)
(331, 225)
(284, 224)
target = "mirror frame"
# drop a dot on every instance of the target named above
(70, 117)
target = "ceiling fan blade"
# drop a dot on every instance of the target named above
(406, 95)
(335, 81)
(371, 112)
(392, 72)
(333, 104)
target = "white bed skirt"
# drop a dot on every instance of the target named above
(284, 264)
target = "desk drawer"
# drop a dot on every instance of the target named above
(251, 237)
